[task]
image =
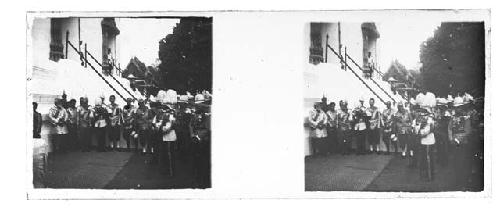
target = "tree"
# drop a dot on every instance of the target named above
(186, 56)
(454, 58)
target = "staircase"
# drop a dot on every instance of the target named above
(377, 87)
(108, 84)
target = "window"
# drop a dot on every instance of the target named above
(56, 45)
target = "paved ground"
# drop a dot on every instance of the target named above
(139, 174)
(391, 173)
(84, 169)
(114, 170)
(462, 173)
(397, 176)
(343, 173)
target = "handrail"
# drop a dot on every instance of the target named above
(405, 98)
(119, 83)
(352, 71)
(379, 73)
(376, 83)
(95, 70)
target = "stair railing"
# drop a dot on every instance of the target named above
(375, 82)
(100, 65)
(353, 72)
(82, 57)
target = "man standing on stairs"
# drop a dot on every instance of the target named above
(375, 120)
(115, 122)
(370, 65)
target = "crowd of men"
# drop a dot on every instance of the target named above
(162, 130)
(416, 131)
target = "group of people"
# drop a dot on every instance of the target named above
(156, 128)
(415, 131)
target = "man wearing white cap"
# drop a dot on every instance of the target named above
(163, 122)
(424, 127)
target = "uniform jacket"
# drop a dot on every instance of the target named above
(318, 121)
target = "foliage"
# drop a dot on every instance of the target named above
(186, 56)
(454, 58)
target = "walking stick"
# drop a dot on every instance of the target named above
(170, 162)
(428, 159)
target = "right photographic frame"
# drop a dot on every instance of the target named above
(395, 106)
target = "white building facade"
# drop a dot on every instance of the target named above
(57, 67)
(338, 56)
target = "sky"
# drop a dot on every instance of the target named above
(140, 36)
(401, 39)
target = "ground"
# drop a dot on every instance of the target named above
(375, 172)
(114, 170)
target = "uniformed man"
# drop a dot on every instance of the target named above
(163, 122)
(143, 125)
(443, 134)
(344, 120)
(58, 118)
(360, 127)
(101, 119)
(72, 124)
(199, 129)
(461, 149)
(424, 128)
(317, 123)
(128, 124)
(84, 123)
(403, 121)
(388, 129)
(331, 128)
(37, 121)
(115, 122)
(375, 121)
(183, 119)
(156, 134)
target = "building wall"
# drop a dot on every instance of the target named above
(40, 44)
(329, 79)
(50, 78)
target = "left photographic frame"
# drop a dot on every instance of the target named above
(119, 102)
